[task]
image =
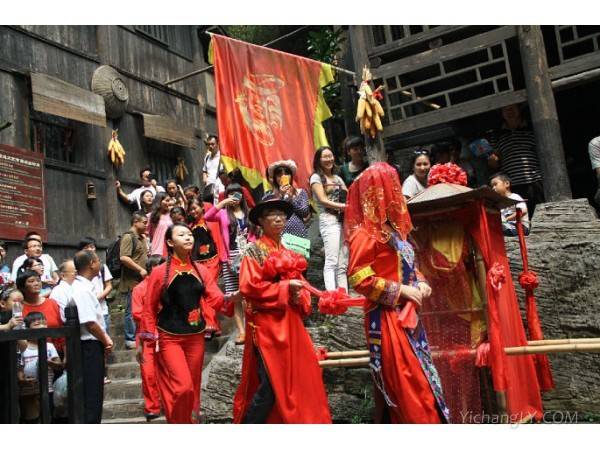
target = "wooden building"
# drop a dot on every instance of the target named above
(451, 82)
(46, 95)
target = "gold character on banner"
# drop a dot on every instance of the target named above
(260, 106)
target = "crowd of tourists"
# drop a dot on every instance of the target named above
(192, 255)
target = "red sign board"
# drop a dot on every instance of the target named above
(22, 195)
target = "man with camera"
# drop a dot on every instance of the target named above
(148, 184)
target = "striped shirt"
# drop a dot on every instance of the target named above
(518, 156)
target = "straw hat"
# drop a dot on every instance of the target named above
(289, 164)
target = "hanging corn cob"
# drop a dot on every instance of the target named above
(369, 111)
(116, 152)
(180, 170)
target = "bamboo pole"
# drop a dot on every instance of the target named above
(347, 354)
(345, 362)
(564, 341)
(530, 350)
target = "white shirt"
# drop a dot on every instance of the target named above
(88, 306)
(211, 167)
(49, 266)
(594, 151)
(412, 187)
(506, 212)
(62, 294)
(98, 287)
(30, 359)
(134, 196)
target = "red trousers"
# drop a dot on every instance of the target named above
(149, 386)
(178, 373)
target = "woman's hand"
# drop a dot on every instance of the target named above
(412, 294)
(226, 202)
(295, 287)
(14, 322)
(425, 289)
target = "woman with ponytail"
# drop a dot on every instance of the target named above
(181, 304)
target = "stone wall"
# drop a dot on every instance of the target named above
(564, 250)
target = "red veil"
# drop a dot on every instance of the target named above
(375, 198)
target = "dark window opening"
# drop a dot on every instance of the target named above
(378, 35)
(52, 136)
(465, 61)
(159, 33)
(162, 159)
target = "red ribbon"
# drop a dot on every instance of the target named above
(322, 353)
(529, 280)
(286, 265)
(447, 173)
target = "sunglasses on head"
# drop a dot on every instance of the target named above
(421, 151)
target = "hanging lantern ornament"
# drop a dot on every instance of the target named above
(116, 152)
(180, 170)
(369, 111)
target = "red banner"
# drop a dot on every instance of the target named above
(266, 105)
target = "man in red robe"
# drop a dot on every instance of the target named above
(281, 378)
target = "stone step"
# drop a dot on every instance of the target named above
(134, 420)
(123, 390)
(124, 370)
(122, 409)
(120, 356)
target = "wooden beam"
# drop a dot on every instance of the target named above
(165, 129)
(544, 116)
(456, 112)
(444, 53)
(577, 65)
(54, 96)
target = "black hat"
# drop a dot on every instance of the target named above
(281, 205)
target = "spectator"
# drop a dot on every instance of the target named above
(354, 149)
(146, 349)
(28, 375)
(190, 192)
(594, 151)
(94, 340)
(30, 285)
(32, 245)
(102, 285)
(176, 193)
(158, 222)
(501, 184)
(146, 199)
(62, 292)
(8, 296)
(134, 252)
(516, 156)
(212, 162)
(178, 214)
(282, 173)
(4, 268)
(417, 182)
(148, 183)
(232, 216)
(37, 265)
(236, 177)
(330, 192)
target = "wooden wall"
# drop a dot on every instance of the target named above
(72, 53)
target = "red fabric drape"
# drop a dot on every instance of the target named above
(528, 281)
(515, 375)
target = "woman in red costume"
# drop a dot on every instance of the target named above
(181, 304)
(382, 268)
(281, 378)
(205, 248)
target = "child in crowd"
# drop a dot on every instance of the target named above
(8, 296)
(147, 348)
(28, 372)
(178, 214)
(158, 222)
(501, 184)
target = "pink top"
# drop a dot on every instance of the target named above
(222, 218)
(158, 245)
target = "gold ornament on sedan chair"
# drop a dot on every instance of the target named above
(369, 111)
(180, 170)
(116, 152)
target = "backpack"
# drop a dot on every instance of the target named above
(113, 255)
